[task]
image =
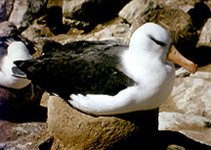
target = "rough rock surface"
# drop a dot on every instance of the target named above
(5, 9)
(25, 11)
(85, 14)
(130, 131)
(81, 131)
(205, 38)
(188, 108)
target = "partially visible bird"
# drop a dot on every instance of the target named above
(10, 75)
(116, 78)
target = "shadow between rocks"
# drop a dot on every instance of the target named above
(29, 114)
(22, 105)
(167, 138)
(200, 55)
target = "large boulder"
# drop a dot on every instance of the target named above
(25, 11)
(77, 130)
(85, 14)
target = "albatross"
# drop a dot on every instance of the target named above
(10, 75)
(107, 77)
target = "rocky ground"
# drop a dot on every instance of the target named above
(188, 109)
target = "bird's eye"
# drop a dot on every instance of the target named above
(156, 41)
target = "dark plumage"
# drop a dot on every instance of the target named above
(78, 67)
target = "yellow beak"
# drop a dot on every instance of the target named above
(180, 60)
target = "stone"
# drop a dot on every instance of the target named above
(176, 21)
(184, 5)
(7, 30)
(21, 104)
(25, 11)
(180, 121)
(5, 9)
(20, 135)
(136, 9)
(77, 130)
(204, 38)
(52, 3)
(188, 108)
(85, 14)
(192, 95)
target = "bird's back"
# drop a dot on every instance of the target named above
(79, 67)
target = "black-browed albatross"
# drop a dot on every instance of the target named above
(10, 75)
(105, 77)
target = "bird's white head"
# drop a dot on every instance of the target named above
(153, 41)
(10, 75)
(150, 39)
(18, 50)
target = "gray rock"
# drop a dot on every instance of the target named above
(137, 9)
(5, 9)
(85, 14)
(205, 38)
(9, 32)
(25, 11)
(7, 29)
(184, 5)
(188, 108)
(20, 136)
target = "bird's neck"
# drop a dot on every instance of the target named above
(141, 66)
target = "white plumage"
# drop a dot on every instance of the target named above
(8, 75)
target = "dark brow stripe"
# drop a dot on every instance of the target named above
(156, 41)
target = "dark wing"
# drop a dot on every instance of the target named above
(92, 70)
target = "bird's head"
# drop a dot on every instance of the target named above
(153, 41)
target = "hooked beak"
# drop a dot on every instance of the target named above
(180, 60)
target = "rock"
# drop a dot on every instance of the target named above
(22, 104)
(189, 124)
(85, 14)
(137, 8)
(179, 121)
(7, 30)
(20, 136)
(191, 95)
(184, 5)
(52, 3)
(188, 108)
(36, 31)
(77, 131)
(176, 21)
(205, 38)
(5, 9)
(25, 11)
